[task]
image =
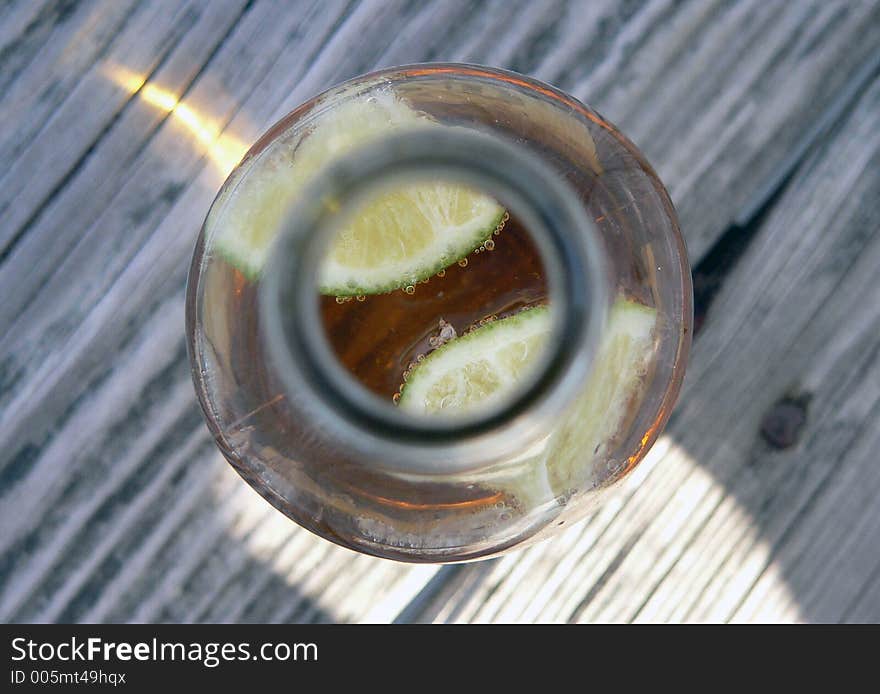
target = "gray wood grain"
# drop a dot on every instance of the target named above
(115, 505)
(18, 19)
(44, 61)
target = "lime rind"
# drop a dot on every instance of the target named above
(338, 281)
(257, 202)
(498, 355)
(569, 459)
(598, 419)
(252, 209)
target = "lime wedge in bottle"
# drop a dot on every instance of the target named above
(483, 366)
(601, 416)
(478, 369)
(407, 235)
(397, 239)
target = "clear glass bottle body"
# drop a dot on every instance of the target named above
(330, 485)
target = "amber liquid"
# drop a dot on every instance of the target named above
(378, 338)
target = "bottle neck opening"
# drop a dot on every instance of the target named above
(573, 261)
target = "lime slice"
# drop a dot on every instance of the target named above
(407, 235)
(487, 364)
(397, 239)
(600, 417)
(478, 369)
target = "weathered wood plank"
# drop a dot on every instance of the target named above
(863, 607)
(44, 60)
(832, 550)
(130, 513)
(719, 525)
(17, 17)
(98, 99)
(719, 114)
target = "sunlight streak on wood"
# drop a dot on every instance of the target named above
(224, 151)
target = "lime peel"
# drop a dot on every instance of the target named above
(404, 236)
(598, 419)
(479, 368)
(398, 238)
(592, 427)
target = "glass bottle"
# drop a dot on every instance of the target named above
(333, 453)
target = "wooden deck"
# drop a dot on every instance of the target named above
(120, 120)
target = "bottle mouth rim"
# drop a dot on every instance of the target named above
(573, 262)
